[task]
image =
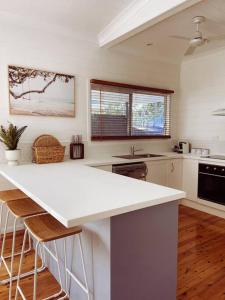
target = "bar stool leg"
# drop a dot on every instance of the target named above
(12, 257)
(4, 237)
(20, 264)
(1, 210)
(60, 277)
(35, 271)
(65, 266)
(83, 266)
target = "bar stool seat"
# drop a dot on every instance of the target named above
(46, 228)
(23, 208)
(10, 195)
(6, 196)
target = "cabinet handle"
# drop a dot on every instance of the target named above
(146, 173)
(172, 167)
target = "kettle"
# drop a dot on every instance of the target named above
(184, 147)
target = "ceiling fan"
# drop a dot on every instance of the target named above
(198, 40)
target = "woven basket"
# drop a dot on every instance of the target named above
(47, 149)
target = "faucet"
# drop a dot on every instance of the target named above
(133, 150)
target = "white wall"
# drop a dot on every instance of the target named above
(84, 59)
(202, 90)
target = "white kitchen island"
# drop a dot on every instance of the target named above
(130, 226)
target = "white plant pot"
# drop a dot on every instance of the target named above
(12, 157)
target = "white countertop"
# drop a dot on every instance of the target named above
(76, 194)
(110, 160)
(203, 159)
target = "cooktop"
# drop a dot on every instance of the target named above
(222, 157)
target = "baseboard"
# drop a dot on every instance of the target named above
(207, 209)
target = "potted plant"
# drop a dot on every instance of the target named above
(10, 137)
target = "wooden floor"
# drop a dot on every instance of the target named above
(201, 260)
(47, 285)
(201, 256)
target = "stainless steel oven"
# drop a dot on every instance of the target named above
(211, 183)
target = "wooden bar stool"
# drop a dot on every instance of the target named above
(45, 228)
(20, 210)
(8, 195)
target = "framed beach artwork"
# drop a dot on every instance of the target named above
(40, 93)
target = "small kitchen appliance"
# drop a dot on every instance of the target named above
(183, 147)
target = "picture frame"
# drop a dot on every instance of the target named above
(38, 92)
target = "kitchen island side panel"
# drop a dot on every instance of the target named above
(144, 253)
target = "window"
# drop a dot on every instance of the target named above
(121, 111)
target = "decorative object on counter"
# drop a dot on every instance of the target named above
(10, 137)
(205, 152)
(77, 147)
(47, 149)
(200, 151)
(40, 93)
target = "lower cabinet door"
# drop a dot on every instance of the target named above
(175, 173)
(157, 172)
(190, 178)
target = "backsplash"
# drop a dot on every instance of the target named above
(216, 147)
(96, 150)
(107, 149)
(100, 150)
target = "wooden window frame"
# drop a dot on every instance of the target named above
(156, 91)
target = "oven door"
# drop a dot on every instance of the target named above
(211, 187)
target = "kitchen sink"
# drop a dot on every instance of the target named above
(136, 156)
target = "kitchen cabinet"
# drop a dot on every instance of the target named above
(166, 172)
(174, 173)
(190, 178)
(157, 172)
(107, 168)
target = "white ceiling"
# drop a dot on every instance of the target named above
(180, 24)
(87, 17)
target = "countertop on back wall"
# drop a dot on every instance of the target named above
(110, 160)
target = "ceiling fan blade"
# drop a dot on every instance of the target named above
(180, 37)
(217, 38)
(190, 51)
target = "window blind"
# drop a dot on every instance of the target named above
(121, 111)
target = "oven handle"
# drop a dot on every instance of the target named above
(215, 175)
